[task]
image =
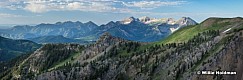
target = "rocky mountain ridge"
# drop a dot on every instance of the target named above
(128, 29)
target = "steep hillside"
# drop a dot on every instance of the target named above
(10, 49)
(53, 57)
(215, 46)
(229, 57)
(220, 24)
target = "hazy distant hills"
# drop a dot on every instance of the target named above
(138, 29)
(12, 48)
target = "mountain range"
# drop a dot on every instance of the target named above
(213, 45)
(142, 29)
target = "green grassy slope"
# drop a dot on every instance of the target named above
(187, 33)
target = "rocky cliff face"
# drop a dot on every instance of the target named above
(227, 59)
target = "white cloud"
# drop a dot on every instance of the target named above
(90, 6)
(114, 6)
(153, 4)
(9, 15)
(40, 6)
(36, 7)
(74, 5)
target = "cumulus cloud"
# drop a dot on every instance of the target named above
(90, 6)
(40, 6)
(36, 7)
(75, 5)
(153, 4)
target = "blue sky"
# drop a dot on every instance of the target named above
(103, 11)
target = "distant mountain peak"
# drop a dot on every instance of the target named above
(91, 23)
(171, 21)
(144, 19)
(129, 20)
(68, 22)
(186, 21)
(185, 18)
(111, 23)
(130, 28)
(78, 22)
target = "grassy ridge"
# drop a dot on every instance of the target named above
(181, 35)
(71, 59)
(186, 33)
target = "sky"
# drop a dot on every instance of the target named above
(102, 11)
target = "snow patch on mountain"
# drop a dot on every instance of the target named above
(227, 30)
